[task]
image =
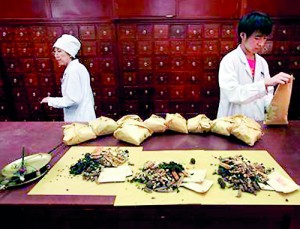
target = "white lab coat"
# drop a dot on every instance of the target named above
(77, 98)
(240, 93)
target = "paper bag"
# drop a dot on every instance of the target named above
(129, 118)
(277, 112)
(222, 126)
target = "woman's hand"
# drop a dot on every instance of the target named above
(280, 78)
(45, 100)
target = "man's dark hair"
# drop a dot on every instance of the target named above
(255, 21)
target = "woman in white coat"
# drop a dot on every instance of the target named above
(77, 98)
(245, 83)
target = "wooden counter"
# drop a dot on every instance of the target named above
(282, 142)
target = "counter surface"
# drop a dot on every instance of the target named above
(280, 141)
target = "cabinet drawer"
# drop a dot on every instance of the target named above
(161, 62)
(161, 47)
(211, 62)
(24, 50)
(91, 64)
(193, 93)
(177, 78)
(144, 32)
(127, 32)
(105, 48)
(161, 31)
(194, 63)
(160, 106)
(28, 65)
(128, 48)
(89, 48)
(46, 79)
(194, 48)
(227, 46)
(145, 63)
(8, 49)
(129, 63)
(104, 32)
(42, 49)
(87, 32)
(106, 64)
(177, 92)
(145, 47)
(161, 78)
(145, 78)
(178, 31)
(109, 93)
(30, 79)
(129, 78)
(281, 47)
(38, 33)
(211, 47)
(178, 63)
(22, 34)
(177, 47)
(6, 34)
(54, 32)
(161, 92)
(43, 64)
(211, 31)
(194, 32)
(228, 31)
(108, 79)
(71, 29)
(130, 93)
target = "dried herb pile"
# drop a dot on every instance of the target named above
(160, 177)
(91, 164)
(241, 174)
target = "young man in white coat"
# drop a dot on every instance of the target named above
(77, 98)
(244, 80)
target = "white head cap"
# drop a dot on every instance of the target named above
(68, 43)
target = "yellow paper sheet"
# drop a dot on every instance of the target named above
(131, 195)
(58, 180)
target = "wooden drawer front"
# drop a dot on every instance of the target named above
(144, 32)
(108, 79)
(160, 106)
(129, 78)
(295, 47)
(89, 48)
(211, 62)
(193, 93)
(43, 64)
(24, 49)
(34, 94)
(31, 79)
(110, 107)
(193, 77)
(178, 63)
(211, 47)
(6, 34)
(161, 92)
(104, 32)
(227, 46)
(71, 29)
(281, 47)
(46, 79)
(145, 78)
(145, 48)
(54, 32)
(128, 48)
(87, 32)
(130, 93)
(127, 32)
(228, 31)
(106, 64)
(7, 49)
(129, 63)
(177, 92)
(194, 48)
(91, 64)
(178, 31)
(161, 47)
(294, 63)
(16, 79)
(12, 65)
(105, 48)
(177, 107)
(161, 62)
(194, 32)
(42, 49)
(282, 32)
(194, 63)
(211, 31)
(28, 65)
(279, 63)
(145, 63)
(161, 78)
(109, 93)
(177, 47)
(131, 107)
(22, 34)
(161, 31)
(38, 33)
(177, 78)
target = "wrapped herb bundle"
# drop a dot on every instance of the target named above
(240, 174)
